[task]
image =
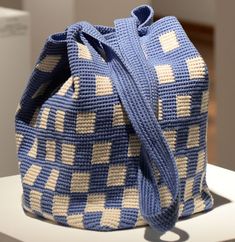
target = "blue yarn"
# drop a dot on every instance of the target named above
(128, 54)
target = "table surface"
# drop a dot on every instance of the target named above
(216, 225)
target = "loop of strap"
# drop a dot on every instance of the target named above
(156, 152)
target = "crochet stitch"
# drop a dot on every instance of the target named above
(111, 129)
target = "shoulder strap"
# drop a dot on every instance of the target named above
(156, 152)
(143, 118)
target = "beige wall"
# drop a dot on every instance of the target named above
(14, 69)
(17, 4)
(104, 12)
(201, 11)
(225, 66)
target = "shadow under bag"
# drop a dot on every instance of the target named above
(111, 129)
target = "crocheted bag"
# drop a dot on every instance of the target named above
(111, 129)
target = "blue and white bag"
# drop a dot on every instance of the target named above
(111, 129)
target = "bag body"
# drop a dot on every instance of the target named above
(111, 129)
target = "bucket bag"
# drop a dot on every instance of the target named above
(111, 128)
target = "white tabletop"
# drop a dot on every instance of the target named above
(216, 225)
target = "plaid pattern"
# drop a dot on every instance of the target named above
(79, 154)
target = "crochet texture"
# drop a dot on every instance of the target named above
(111, 129)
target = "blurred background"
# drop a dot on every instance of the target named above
(26, 24)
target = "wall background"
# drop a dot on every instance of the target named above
(200, 11)
(225, 63)
(14, 69)
(17, 4)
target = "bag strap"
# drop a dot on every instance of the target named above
(145, 123)
(156, 152)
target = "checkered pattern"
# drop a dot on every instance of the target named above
(79, 154)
